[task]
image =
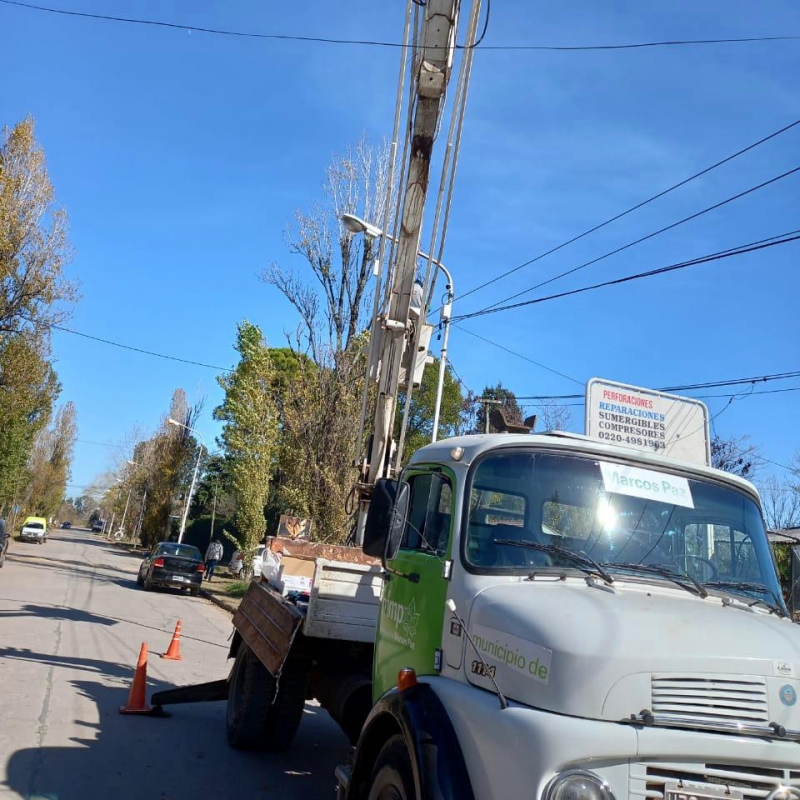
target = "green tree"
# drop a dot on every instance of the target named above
(213, 492)
(423, 403)
(33, 295)
(50, 464)
(28, 389)
(510, 408)
(166, 464)
(250, 432)
(319, 443)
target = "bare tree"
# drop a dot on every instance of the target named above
(553, 418)
(735, 455)
(333, 308)
(34, 246)
(781, 504)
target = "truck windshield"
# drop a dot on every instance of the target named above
(622, 517)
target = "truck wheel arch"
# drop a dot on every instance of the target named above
(235, 644)
(419, 716)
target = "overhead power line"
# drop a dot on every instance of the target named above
(520, 355)
(630, 210)
(103, 444)
(641, 239)
(545, 404)
(778, 376)
(773, 241)
(137, 349)
(687, 387)
(379, 43)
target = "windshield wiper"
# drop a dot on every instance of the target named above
(676, 576)
(750, 586)
(586, 562)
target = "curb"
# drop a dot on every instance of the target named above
(222, 602)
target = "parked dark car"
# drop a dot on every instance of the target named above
(66, 524)
(171, 564)
(98, 525)
(4, 539)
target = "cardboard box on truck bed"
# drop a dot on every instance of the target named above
(295, 574)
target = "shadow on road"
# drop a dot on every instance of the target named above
(56, 612)
(139, 624)
(181, 758)
(79, 568)
(125, 553)
(108, 668)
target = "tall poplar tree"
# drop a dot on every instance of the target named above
(250, 432)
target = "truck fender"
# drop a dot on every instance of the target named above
(236, 642)
(437, 763)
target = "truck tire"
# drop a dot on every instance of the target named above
(392, 777)
(256, 718)
(250, 696)
(286, 712)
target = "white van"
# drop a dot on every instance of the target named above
(34, 529)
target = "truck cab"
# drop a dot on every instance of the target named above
(567, 619)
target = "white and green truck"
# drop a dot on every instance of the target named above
(560, 619)
(546, 617)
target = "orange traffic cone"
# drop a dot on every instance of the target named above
(174, 650)
(137, 697)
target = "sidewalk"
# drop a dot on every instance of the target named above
(216, 591)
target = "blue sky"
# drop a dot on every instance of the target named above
(182, 156)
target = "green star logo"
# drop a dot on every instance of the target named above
(410, 619)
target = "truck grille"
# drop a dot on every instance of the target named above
(755, 783)
(715, 699)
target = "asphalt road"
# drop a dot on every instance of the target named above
(72, 621)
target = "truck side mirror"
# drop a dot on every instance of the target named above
(383, 530)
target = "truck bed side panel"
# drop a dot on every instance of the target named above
(344, 601)
(268, 625)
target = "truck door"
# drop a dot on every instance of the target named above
(412, 610)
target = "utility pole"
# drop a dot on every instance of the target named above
(138, 530)
(486, 402)
(432, 66)
(125, 512)
(213, 510)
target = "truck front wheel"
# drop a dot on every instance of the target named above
(257, 719)
(392, 778)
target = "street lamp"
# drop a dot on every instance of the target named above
(194, 476)
(355, 224)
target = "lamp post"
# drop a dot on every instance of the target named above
(355, 224)
(194, 475)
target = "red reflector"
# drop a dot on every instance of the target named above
(406, 678)
(159, 562)
(201, 567)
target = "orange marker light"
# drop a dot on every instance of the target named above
(406, 678)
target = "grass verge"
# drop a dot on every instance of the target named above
(237, 588)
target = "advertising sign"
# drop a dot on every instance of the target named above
(294, 527)
(648, 420)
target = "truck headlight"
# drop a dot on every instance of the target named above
(577, 784)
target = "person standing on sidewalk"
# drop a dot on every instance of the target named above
(213, 555)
